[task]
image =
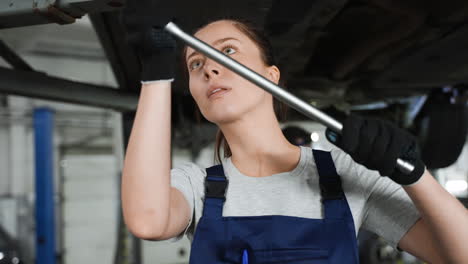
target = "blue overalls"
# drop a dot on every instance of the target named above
(276, 238)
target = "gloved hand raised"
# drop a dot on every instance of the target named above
(377, 144)
(154, 46)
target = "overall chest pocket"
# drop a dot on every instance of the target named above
(288, 255)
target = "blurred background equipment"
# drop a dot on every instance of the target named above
(298, 136)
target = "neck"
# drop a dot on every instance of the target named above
(258, 145)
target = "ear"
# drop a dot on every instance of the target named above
(273, 74)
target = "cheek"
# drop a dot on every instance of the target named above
(250, 89)
(195, 90)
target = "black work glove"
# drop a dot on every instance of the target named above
(377, 144)
(155, 47)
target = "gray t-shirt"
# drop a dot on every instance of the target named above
(377, 203)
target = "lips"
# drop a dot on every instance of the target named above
(216, 89)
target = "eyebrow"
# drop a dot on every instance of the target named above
(219, 41)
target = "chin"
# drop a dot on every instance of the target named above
(227, 111)
(224, 115)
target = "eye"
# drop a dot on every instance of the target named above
(195, 64)
(228, 50)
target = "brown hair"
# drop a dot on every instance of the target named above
(259, 37)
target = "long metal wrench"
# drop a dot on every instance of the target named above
(278, 92)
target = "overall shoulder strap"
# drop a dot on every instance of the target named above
(333, 198)
(330, 181)
(215, 192)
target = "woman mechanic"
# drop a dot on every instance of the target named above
(270, 202)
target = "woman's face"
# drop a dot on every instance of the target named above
(237, 95)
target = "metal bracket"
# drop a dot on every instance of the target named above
(17, 13)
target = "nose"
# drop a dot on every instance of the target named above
(211, 69)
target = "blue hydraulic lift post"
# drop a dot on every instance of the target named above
(44, 169)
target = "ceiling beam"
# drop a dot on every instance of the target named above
(40, 85)
(12, 58)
